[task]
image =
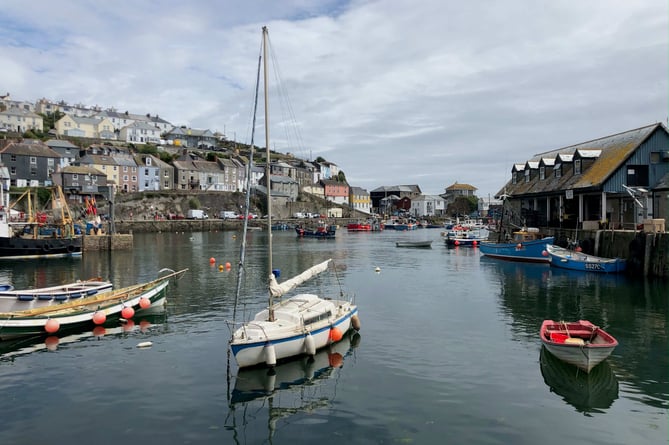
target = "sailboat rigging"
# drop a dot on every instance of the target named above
(294, 326)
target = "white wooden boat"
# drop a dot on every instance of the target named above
(16, 300)
(290, 327)
(88, 311)
(579, 343)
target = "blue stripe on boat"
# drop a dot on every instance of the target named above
(237, 348)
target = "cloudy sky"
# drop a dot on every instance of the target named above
(425, 92)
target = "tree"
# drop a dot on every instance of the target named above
(320, 159)
(341, 176)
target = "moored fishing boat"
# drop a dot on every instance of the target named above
(28, 234)
(526, 245)
(575, 260)
(87, 311)
(579, 343)
(321, 231)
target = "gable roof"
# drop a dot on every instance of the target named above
(30, 147)
(613, 151)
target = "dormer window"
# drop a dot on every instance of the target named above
(542, 173)
(557, 170)
(577, 166)
(527, 175)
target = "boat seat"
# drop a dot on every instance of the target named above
(574, 341)
(580, 333)
(45, 297)
(25, 297)
(61, 297)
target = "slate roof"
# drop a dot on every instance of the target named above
(30, 147)
(613, 151)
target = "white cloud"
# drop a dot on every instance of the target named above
(394, 92)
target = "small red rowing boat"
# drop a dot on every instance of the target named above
(579, 343)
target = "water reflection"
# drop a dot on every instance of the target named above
(589, 393)
(10, 349)
(302, 386)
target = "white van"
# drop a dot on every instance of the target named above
(228, 214)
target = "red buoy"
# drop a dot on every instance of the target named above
(544, 253)
(457, 243)
(212, 260)
(51, 326)
(99, 318)
(144, 302)
(128, 312)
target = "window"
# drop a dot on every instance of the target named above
(527, 175)
(577, 166)
(13, 170)
(557, 170)
(75, 176)
(33, 160)
(542, 173)
(637, 175)
(12, 158)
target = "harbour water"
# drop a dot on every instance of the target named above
(448, 352)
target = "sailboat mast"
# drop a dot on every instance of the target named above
(267, 166)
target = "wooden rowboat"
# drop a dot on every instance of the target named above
(579, 343)
(87, 311)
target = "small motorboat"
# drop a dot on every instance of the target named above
(579, 343)
(575, 260)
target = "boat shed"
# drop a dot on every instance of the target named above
(616, 182)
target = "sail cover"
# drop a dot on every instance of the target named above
(277, 290)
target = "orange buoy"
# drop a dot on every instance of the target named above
(127, 312)
(335, 334)
(99, 317)
(144, 303)
(220, 267)
(51, 326)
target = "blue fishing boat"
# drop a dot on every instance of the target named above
(526, 245)
(575, 260)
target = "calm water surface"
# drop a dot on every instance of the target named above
(448, 352)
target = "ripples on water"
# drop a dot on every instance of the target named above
(448, 352)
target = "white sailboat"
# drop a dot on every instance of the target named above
(294, 326)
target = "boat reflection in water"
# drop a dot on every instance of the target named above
(10, 349)
(300, 386)
(589, 393)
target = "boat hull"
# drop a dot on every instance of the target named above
(526, 251)
(81, 313)
(595, 347)
(290, 340)
(415, 244)
(17, 247)
(572, 260)
(19, 300)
